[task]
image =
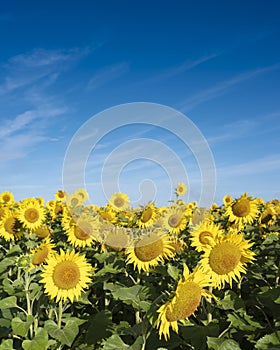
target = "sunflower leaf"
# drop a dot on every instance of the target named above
(66, 335)
(20, 327)
(39, 342)
(113, 343)
(8, 302)
(7, 345)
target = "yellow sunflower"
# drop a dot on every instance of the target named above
(202, 234)
(174, 220)
(227, 200)
(268, 216)
(107, 214)
(199, 215)
(41, 253)
(8, 226)
(61, 195)
(242, 211)
(74, 201)
(82, 193)
(116, 238)
(148, 216)
(149, 251)
(181, 189)
(119, 201)
(225, 258)
(31, 215)
(7, 197)
(43, 231)
(82, 232)
(184, 303)
(66, 275)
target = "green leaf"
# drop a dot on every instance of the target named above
(99, 327)
(20, 327)
(8, 287)
(244, 322)
(222, 344)
(269, 341)
(6, 263)
(7, 345)
(173, 272)
(231, 301)
(197, 335)
(8, 302)
(39, 342)
(66, 335)
(109, 268)
(128, 294)
(137, 345)
(14, 250)
(113, 343)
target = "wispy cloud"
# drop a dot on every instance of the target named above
(109, 73)
(25, 69)
(223, 87)
(256, 166)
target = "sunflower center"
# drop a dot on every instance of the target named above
(241, 208)
(31, 215)
(148, 251)
(187, 300)
(147, 215)
(42, 232)
(174, 220)
(6, 198)
(40, 255)
(203, 237)
(66, 275)
(83, 232)
(9, 225)
(119, 202)
(224, 257)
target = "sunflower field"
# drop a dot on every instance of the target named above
(79, 276)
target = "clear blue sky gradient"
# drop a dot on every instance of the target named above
(218, 62)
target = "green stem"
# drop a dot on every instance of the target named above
(60, 312)
(209, 313)
(28, 301)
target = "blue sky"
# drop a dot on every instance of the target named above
(217, 62)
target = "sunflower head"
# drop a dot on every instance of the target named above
(148, 251)
(203, 234)
(181, 189)
(148, 216)
(7, 197)
(61, 195)
(66, 275)
(31, 215)
(226, 258)
(119, 201)
(174, 221)
(42, 252)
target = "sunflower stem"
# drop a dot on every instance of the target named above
(209, 313)
(60, 312)
(28, 301)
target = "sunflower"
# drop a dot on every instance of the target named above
(227, 200)
(119, 201)
(242, 211)
(116, 238)
(150, 250)
(184, 303)
(8, 226)
(148, 216)
(82, 193)
(181, 189)
(174, 220)
(225, 258)
(74, 201)
(43, 231)
(31, 215)
(107, 214)
(66, 275)
(7, 197)
(268, 216)
(61, 195)
(202, 234)
(41, 253)
(199, 215)
(82, 232)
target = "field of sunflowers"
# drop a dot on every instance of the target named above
(78, 276)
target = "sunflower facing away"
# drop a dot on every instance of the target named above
(31, 214)
(149, 251)
(66, 275)
(184, 303)
(242, 211)
(225, 258)
(41, 253)
(202, 234)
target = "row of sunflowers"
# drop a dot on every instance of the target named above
(76, 275)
